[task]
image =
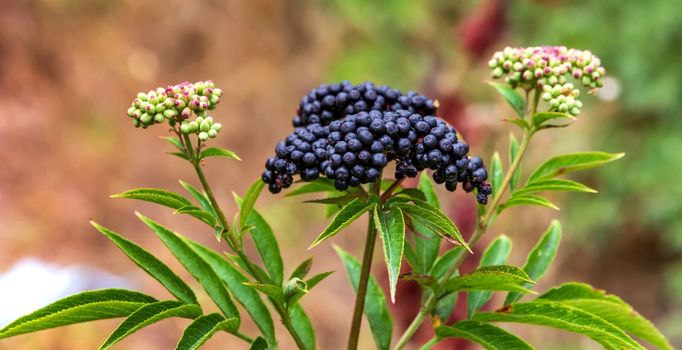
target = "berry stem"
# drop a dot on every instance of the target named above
(482, 226)
(387, 194)
(374, 188)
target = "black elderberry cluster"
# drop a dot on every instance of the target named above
(329, 102)
(353, 147)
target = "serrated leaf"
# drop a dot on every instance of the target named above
(610, 308)
(376, 309)
(302, 270)
(554, 185)
(270, 290)
(513, 98)
(203, 328)
(539, 119)
(527, 199)
(235, 280)
(200, 197)
(148, 314)
(567, 163)
(444, 262)
(434, 219)
(266, 245)
(349, 213)
(319, 185)
(426, 247)
(496, 254)
(259, 344)
(490, 278)
(151, 265)
(423, 280)
(412, 193)
(155, 195)
(391, 229)
(82, 307)
(427, 187)
(513, 153)
(249, 201)
(540, 257)
(175, 142)
(488, 336)
(338, 200)
(496, 171)
(218, 152)
(196, 266)
(561, 316)
(197, 213)
(301, 324)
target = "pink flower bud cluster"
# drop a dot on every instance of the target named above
(177, 104)
(546, 68)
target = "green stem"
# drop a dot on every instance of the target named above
(243, 337)
(364, 275)
(236, 246)
(429, 344)
(481, 228)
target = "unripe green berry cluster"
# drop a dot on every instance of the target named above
(547, 68)
(177, 104)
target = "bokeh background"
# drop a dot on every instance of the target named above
(69, 68)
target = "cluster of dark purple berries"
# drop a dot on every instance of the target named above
(354, 148)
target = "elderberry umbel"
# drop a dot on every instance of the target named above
(354, 148)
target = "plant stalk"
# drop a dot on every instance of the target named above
(481, 228)
(364, 275)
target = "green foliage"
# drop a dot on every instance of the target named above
(203, 328)
(496, 254)
(155, 195)
(432, 218)
(496, 171)
(391, 228)
(484, 334)
(218, 152)
(567, 163)
(554, 185)
(491, 278)
(82, 307)
(511, 96)
(302, 326)
(376, 309)
(539, 119)
(148, 314)
(150, 264)
(513, 154)
(527, 199)
(249, 201)
(349, 213)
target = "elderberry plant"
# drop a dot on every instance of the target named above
(346, 137)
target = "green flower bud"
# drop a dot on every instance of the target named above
(547, 96)
(199, 120)
(169, 113)
(556, 90)
(193, 126)
(168, 103)
(186, 113)
(131, 111)
(203, 136)
(586, 80)
(142, 96)
(209, 120)
(563, 108)
(146, 118)
(204, 126)
(136, 122)
(159, 118)
(214, 100)
(160, 108)
(497, 72)
(575, 111)
(554, 103)
(212, 133)
(217, 126)
(185, 128)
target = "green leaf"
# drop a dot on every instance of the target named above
(218, 152)
(434, 219)
(310, 283)
(175, 142)
(426, 247)
(543, 117)
(610, 308)
(200, 214)
(200, 197)
(266, 244)
(249, 201)
(319, 185)
(496, 171)
(490, 278)
(179, 155)
(560, 316)
(391, 228)
(148, 314)
(351, 212)
(150, 264)
(527, 199)
(82, 307)
(484, 334)
(572, 162)
(554, 185)
(155, 195)
(444, 262)
(513, 98)
(540, 257)
(270, 290)
(302, 270)
(427, 186)
(302, 326)
(338, 200)
(196, 266)
(203, 328)
(496, 254)
(235, 280)
(513, 153)
(376, 310)
(443, 309)
(412, 193)
(521, 123)
(259, 344)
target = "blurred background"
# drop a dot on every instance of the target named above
(69, 69)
